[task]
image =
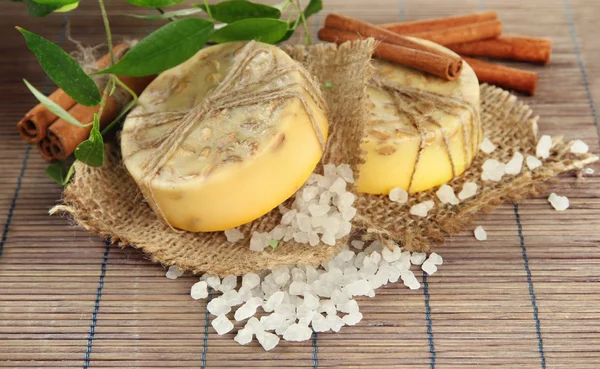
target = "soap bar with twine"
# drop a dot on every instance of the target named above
(225, 137)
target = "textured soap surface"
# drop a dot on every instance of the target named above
(400, 154)
(239, 163)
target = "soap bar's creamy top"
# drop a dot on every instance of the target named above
(424, 128)
(240, 160)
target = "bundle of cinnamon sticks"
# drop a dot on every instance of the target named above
(470, 35)
(56, 138)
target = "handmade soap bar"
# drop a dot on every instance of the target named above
(422, 130)
(255, 132)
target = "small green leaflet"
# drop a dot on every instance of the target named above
(67, 8)
(53, 107)
(231, 11)
(58, 172)
(265, 30)
(154, 3)
(37, 10)
(327, 85)
(58, 3)
(167, 15)
(168, 46)
(91, 151)
(274, 243)
(63, 69)
(313, 7)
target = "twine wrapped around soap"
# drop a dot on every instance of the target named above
(230, 93)
(416, 105)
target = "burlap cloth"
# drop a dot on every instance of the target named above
(106, 201)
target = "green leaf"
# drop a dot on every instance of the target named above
(274, 243)
(328, 85)
(232, 11)
(67, 8)
(53, 107)
(154, 3)
(260, 29)
(38, 10)
(313, 7)
(167, 15)
(59, 173)
(91, 151)
(56, 2)
(63, 69)
(168, 46)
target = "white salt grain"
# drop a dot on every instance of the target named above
(515, 164)
(487, 146)
(174, 272)
(358, 244)
(533, 162)
(319, 323)
(344, 171)
(493, 170)
(349, 307)
(213, 281)
(398, 195)
(232, 298)
(560, 203)
(391, 255)
(259, 241)
(287, 218)
(199, 290)
(248, 309)
(233, 235)
(417, 258)
(222, 325)
(588, 171)
(271, 322)
(250, 280)
(268, 340)
(429, 267)
(352, 318)
(480, 233)
(542, 150)
(273, 301)
(469, 190)
(297, 332)
(361, 287)
(446, 195)
(579, 147)
(409, 279)
(436, 259)
(338, 187)
(218, 306)
(243, 336)
(309, 193)
(311, 301)
(278, 232)
(228, 283)
(335, 322)
(421, 210)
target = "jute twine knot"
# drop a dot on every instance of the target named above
(232, 92)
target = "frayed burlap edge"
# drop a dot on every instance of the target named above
(508, 123)
(107, 202)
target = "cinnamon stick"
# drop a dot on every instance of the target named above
(34, 125)
(528, 49)
(499, 75)
(65, 137)
(422, 60)
(440, 23)
(466, 33)
(364, 30)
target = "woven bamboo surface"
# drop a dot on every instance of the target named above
(529, 297)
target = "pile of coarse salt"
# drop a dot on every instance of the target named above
(298, 299)
(321, 212)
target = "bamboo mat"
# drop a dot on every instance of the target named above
(529, 297)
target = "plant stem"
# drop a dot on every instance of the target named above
(307, 39)
(208, 10)
(125, 109)
(107, 28)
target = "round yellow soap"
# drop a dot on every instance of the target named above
(400, 154)
(239, 163)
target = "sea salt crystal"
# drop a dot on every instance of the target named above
(213, 281)
(309, 193)
(429, 267)
(289, 234)
(330, 170)
(254, 325)
(345, 200)
(301, 237)
(174, 272)
(327, 306)
(352, 318)
(409, 279)
(349, 307)
(250, 280)
(391, 255)
(417, 258)
(297, 288)
(199, 290)
(515, 164)
(318, 210)
(335, 322)
(328, 238)
(361, 287)
(542, 150)
(248, 309)
(469, 190)
(480, 233)
(272, 321)
(579, 147)
(319, 323)
(338, 186)
(287, 218)
(282, 328)
(243, 336)
(357, 244)
(287, 310)
(304, 222)
(391, 272)
(218, 306)
(326, 182)
(233, 235)
(273, 301)
(436, 258)
(278, 232)
(348, 213)
(311, 301)
(487, 146)
(446, 195)
(312, 274)
(222, 325)
(560, 203)
(232, 298)
(268, 340)
(245, 294)
(339, 297)
(297, 332)
(344, 171)
(493, 170)
(325, 198)
(398, 195)
(588, 171)
(313, 238)
(259, 240)
(533, 162)
(228, 283)
(421, 210)
(298, 274)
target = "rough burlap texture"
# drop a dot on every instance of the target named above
(106, 201)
